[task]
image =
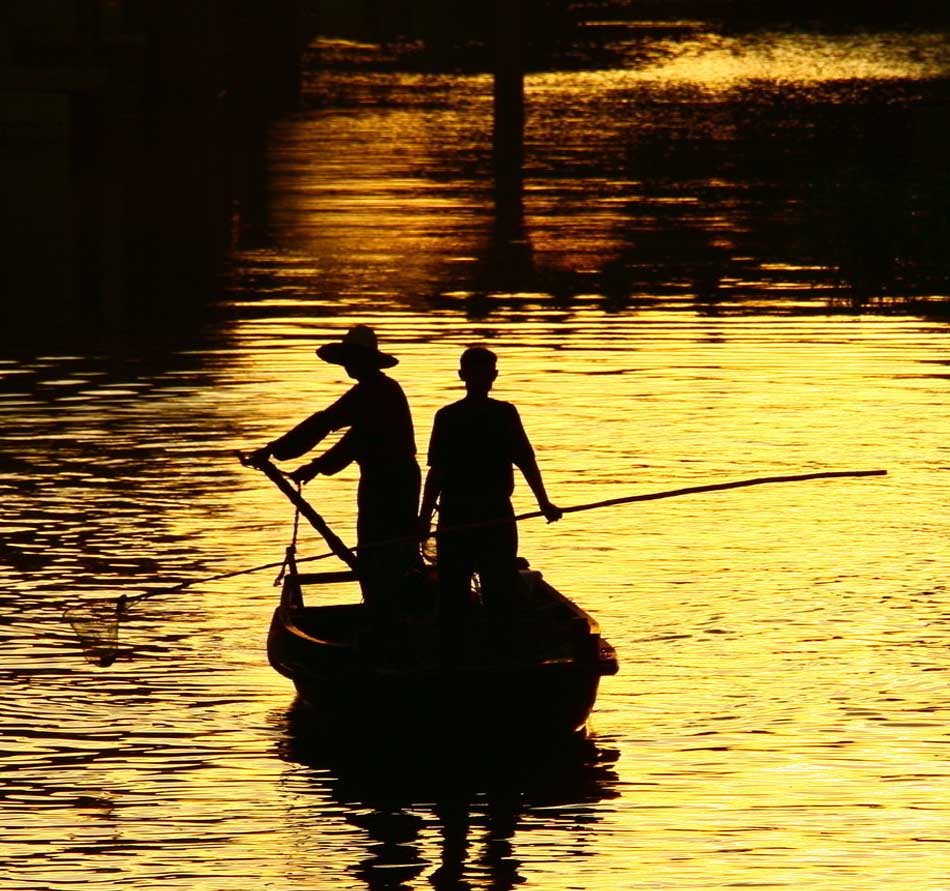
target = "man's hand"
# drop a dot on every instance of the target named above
(305, 472)
(258, 456)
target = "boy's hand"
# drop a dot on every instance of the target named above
(552, 513)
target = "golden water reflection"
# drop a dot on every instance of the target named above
(780, 713)
(779, 716)
(721, 61)
(709, 169)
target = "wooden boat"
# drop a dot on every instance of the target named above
(539, 674)
(360, 671)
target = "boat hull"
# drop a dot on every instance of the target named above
(358, 675)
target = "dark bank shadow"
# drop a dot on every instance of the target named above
(475, 801)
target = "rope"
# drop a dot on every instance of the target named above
(291, 551)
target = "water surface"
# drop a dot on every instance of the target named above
(780, 715)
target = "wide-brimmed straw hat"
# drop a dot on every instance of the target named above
(359, 345)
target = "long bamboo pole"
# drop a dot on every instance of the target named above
(714, 487)
(340, 550)
(611, 502)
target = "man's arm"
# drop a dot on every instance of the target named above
(332, 461)
(430, 494)
(311, 431)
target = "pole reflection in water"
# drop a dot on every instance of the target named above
(452, 804)
(683, 167)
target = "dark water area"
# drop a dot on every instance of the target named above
(665, 165)
(480, 796)
(696, 154)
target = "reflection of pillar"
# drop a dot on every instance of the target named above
(509, 119)
(510, 263)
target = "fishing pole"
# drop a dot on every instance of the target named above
(626, 499)
(714, 487)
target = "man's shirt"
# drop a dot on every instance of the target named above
(380, 432)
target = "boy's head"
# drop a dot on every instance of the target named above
(477, 368)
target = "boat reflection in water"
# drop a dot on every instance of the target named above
(455, 812)
(419, 754)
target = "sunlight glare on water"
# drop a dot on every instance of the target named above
(780, 715)
(780, 708)
(716, 61)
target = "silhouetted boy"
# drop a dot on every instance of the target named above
(475, 444)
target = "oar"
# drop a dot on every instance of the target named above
(329, 536)
(96, 622)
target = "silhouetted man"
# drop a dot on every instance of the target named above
(475, 444)
(381, 441)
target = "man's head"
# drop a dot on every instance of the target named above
(477, 368)
(357, 352)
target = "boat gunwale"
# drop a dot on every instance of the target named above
(599, 660)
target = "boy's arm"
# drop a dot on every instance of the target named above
(525, 461)
(532, 475)
(435, 476)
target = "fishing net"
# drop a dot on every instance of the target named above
(96, 623)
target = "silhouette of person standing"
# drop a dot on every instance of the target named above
(381, 441)
(475, 444)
